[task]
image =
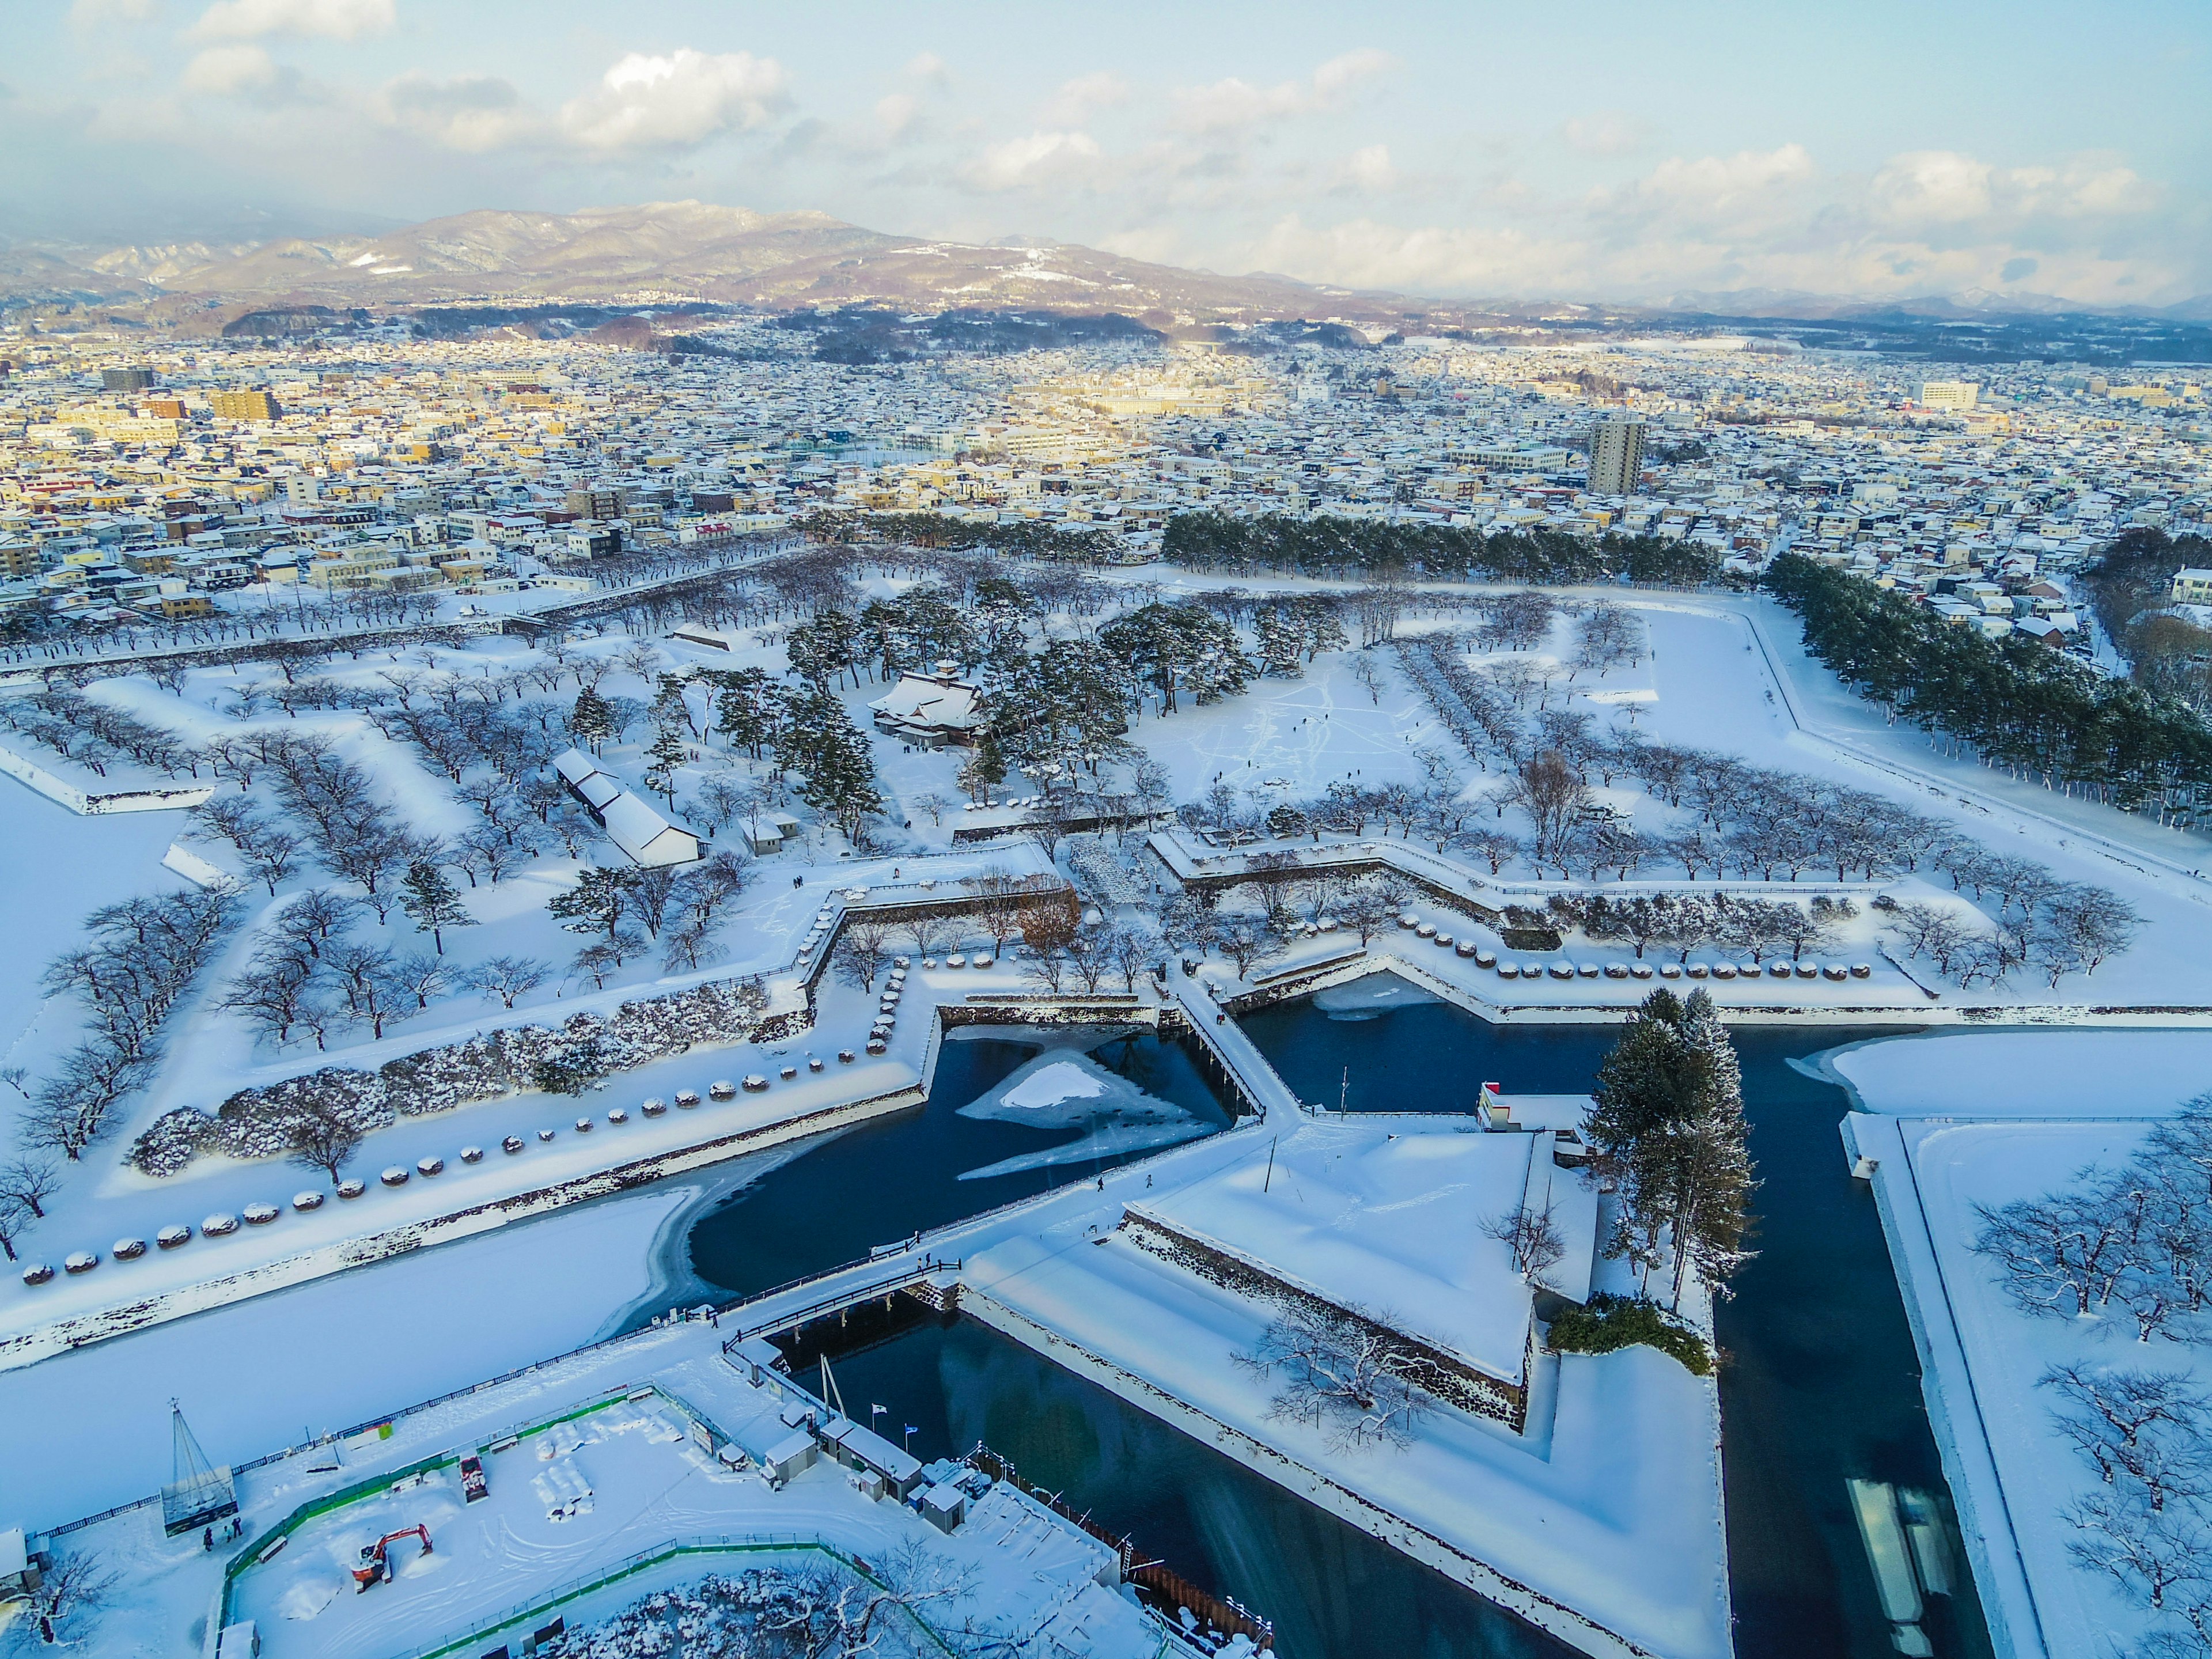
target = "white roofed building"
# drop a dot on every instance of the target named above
(931, 709)
(645, 837)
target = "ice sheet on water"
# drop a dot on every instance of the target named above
(1038, 1036)
(1063, 1088)
(1107, 1140)
(1370, 998)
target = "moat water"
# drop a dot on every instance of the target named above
(1820, 1384)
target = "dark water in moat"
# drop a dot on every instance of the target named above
(1820, 1384)
(888, 1179)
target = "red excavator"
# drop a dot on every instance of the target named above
(375, 1565)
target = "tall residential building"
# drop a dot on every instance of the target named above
(1616, 464)
(125, 380)
(596, 501)
(1945, 394)
(243, 406)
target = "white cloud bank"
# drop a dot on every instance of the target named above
(677, 100)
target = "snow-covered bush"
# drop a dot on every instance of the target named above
(819, 1609)
(258, 1123)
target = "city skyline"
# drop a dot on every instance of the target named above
(1456, 153)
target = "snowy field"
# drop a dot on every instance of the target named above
(296, 1363)
(576, 1498)
(1955, 1123)
(1623, 1473)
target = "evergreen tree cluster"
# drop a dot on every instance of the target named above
(1029, 539)
(1377, 549)
(1180, 648)
(1666, 1124)
(2019, 705)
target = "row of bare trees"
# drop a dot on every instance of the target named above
(2128, 1252)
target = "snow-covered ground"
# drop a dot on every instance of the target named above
(1623, 1485)
(556, 1153)
(1950, 1124)
(90, 1429)
(575, 1500)
(1608, 1505)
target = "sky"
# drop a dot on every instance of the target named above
(1474, 150)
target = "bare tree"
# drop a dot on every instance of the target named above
(29, 1181)
(1129, 953)
(61, 1610)
(1547, 789)
(2142, 1429)
(862, 949)
(2151, 1555)
(507, 978)
(931, 936)
(321, 1137)
(1341, 1372)
(1367, 907)
(1532, 1236)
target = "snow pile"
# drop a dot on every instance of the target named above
(258, 1122)
(1066, 1089)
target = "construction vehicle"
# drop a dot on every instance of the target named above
(473, 1484)
(376, 1564)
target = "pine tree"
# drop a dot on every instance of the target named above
(984, 770)
(1712, 1184)
(433, 901)
(745, 709)
(1281, 641)
(592, 720)
(1636, 1099)
(596, 902)
(662, 762)
(1666, 1123)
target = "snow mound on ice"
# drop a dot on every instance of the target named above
(1056, 1084)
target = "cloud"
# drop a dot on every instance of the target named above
(897, 114)
(677, 100)
(1930, 188)
(474, 113)
(1340, 74)
(1078, 100)
(252, 19)
(1922, 222)
(928, 67)
(1234, 104)
(1370, 169)
(1607, 133)
(227, 71)
(1039, 159)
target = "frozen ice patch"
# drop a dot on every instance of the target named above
(1370, 998)
(1107, 1140)
(1065, 1088)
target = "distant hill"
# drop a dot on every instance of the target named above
(666, 252)
(688, 250)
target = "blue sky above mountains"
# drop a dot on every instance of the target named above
(1604, 151)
